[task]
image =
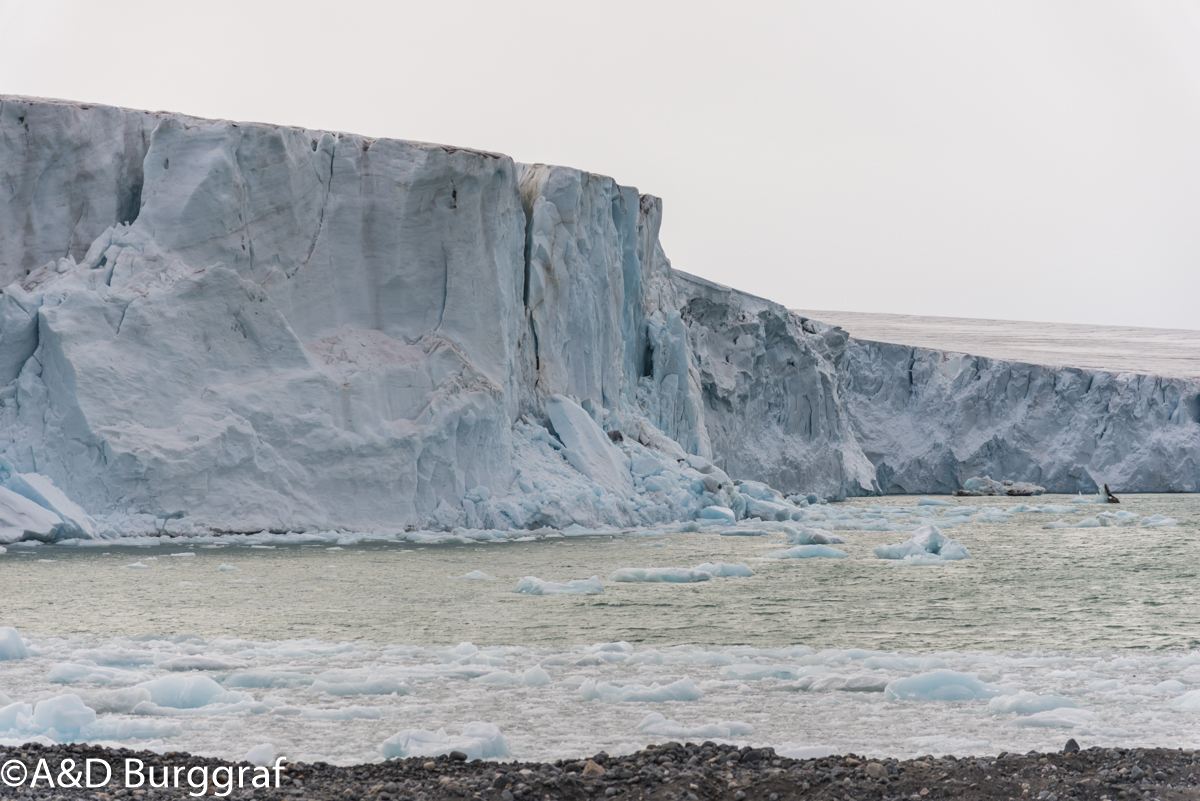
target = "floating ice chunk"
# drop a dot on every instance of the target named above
(722, 570)
(535, 677)
(807, 552)
(960, 511)
(186, 692)
(227, 568)
(261, 755)
(1121, 518)
(656, 724)
(755, 672)
(682, 690)
(1062, 718)
(476, 575)
(375, 686)
(926, 542)
(502, 677)
(856, 683)
(671, 575)
(1027, 703)
(934, 502)
(76, 673)
(1099, 497)
(199, 662)
(1058, 524)
(1087, 522)
(940, 685)
(15, 716)
(1057, 509)
(532, 585)
(586, 447)
(64, 714)
(1156, 521)
(123, 700)
(813, 536)
(343, 713)
(477, 741)
(137, 566)
(717, 514)
(261, 678)
(11, 644)
(768, 510)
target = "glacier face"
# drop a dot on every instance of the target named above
(245, 327)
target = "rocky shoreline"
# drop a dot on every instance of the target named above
(680, 772)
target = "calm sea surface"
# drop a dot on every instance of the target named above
(1026, 587)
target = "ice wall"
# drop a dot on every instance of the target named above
(246, 326)
(929, 420)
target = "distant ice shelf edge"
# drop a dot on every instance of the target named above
(235, 327)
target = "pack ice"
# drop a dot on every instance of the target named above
(244, 327)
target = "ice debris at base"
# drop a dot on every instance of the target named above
(928, 545)
(532, 585)
(657, 725)
(524, 356)
(807, 552)
(987, 486)
(478, 741)
(941, 685)
(681, 690)
(33, 508)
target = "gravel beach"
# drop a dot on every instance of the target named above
(681, 772)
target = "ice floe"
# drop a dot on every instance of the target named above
(532, 585)
(927, 545)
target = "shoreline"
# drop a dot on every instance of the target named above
(680, 772)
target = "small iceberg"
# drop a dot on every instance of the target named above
(928, 545)
(532, 585)
(672, 575)
(682, 690)
(807, 552)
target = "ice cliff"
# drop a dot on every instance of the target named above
(243, 327)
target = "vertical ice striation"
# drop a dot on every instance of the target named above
(244, 326)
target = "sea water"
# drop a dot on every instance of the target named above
(326, 651)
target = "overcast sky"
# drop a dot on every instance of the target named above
(1014, 160)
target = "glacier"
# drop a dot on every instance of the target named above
(210, 326)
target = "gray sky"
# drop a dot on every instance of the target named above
(1004, 159)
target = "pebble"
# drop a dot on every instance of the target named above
(691, 772)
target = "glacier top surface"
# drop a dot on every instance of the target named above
(1168, 352)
